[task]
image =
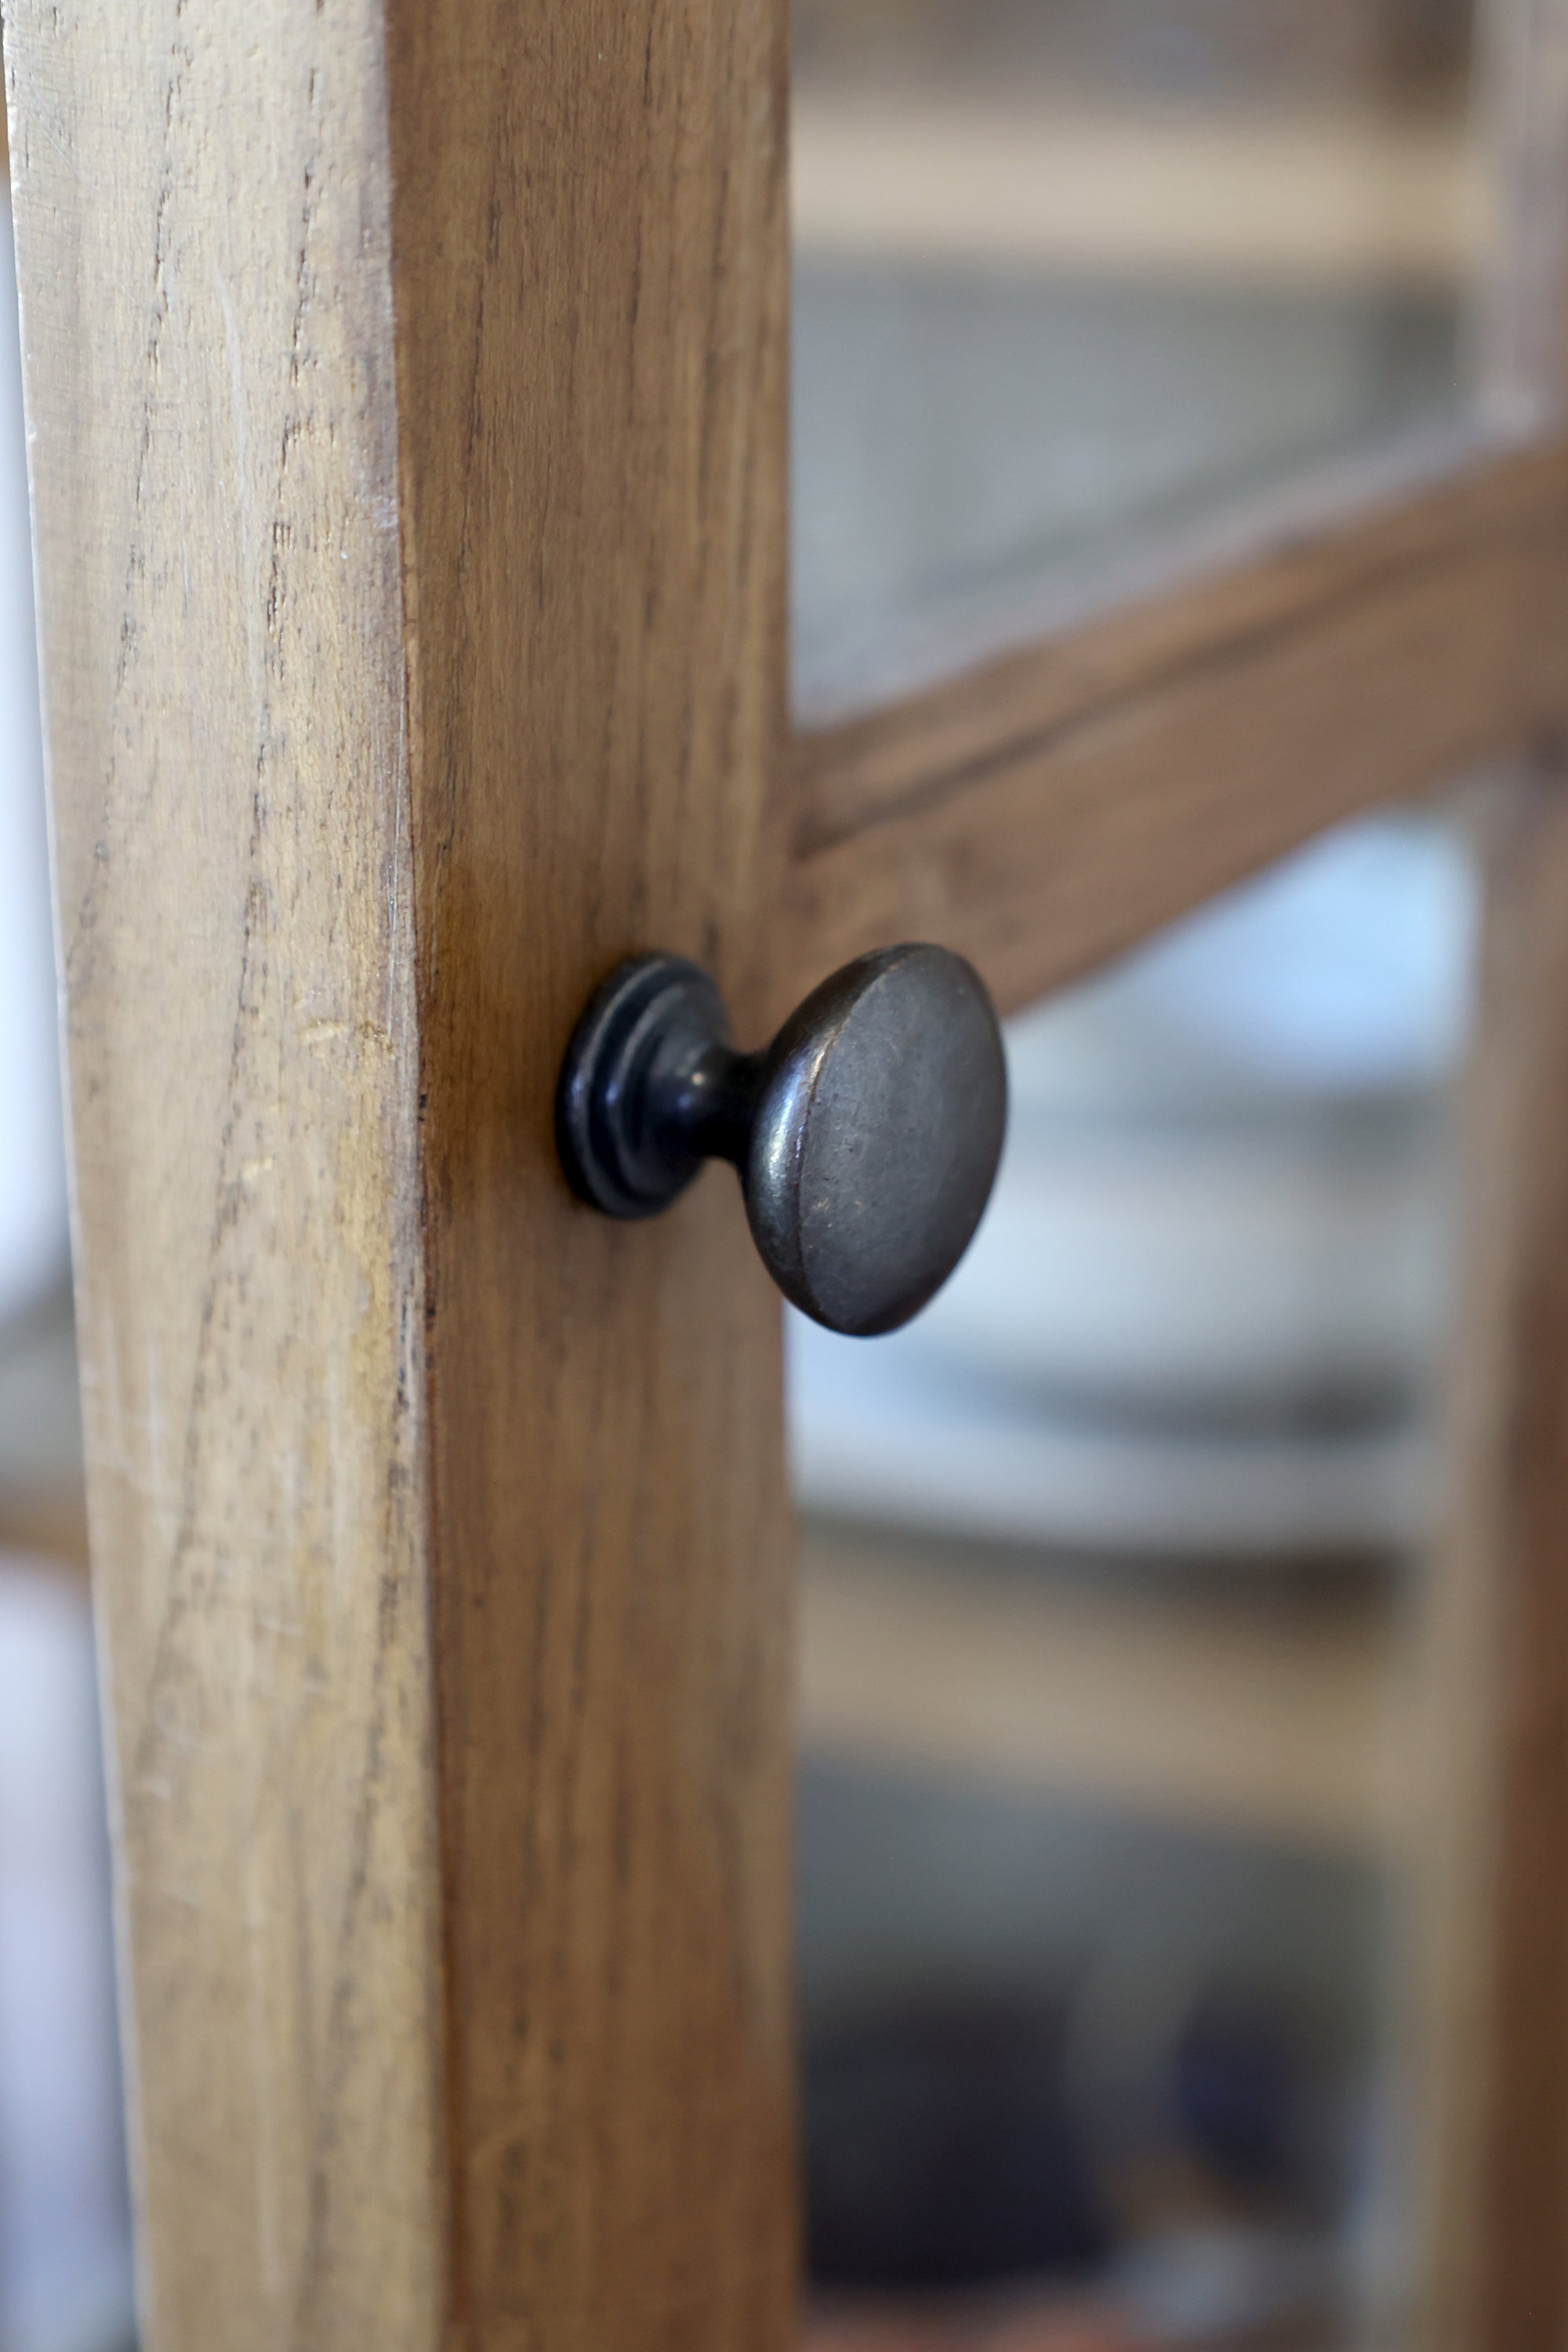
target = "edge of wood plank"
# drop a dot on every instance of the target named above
(1010, 811)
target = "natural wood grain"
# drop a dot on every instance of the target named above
(407, 394)
(1043, 811)
(203, 235)
(590, 231)
(1491, 2131)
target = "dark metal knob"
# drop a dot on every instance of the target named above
(867, 1134)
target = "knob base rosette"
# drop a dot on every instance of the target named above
(867, 1136)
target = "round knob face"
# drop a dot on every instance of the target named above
(875, 1138)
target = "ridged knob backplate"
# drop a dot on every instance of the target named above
(867, 1135)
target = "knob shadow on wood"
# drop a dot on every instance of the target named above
(867, 1135)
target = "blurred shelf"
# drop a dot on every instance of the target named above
(1275, 1716)
(1283, 196)
(43, 1505)
(46, 1523)
(1066, 2321)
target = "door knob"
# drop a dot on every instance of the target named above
(867, 1135)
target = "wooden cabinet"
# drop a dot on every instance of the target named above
(408, 410)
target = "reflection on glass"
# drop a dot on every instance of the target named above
(1069, 272)
(1112, 1561)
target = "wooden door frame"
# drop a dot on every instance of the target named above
(406, 403)
(405, 388)
(1487, 1931)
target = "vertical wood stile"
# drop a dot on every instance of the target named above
(1492, 2161)
(589, 232)
(1492, 2118)
(405, 390)
(1522, 315)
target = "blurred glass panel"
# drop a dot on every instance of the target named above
(1112, 1563)
(1072, 273)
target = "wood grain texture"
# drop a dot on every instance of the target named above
(407, 392)
(204, 236)
(591, 239)
(1049, 809)
(1491, 2139)
(406, 398)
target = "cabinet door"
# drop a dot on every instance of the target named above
(408, 414)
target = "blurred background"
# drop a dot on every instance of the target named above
(65, 2263)
(1114, 1563)
(1112, 1592)
(1077, 279)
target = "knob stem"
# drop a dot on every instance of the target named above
(707, 1110)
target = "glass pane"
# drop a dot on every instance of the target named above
(1112, 1564)
(1070, 273)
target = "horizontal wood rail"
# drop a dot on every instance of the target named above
(1049, 809)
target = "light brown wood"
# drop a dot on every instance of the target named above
(1490, 2134)
(405, 388)
(1371, 632)
(1237, 1713)
(1048, 809)
(204, 267)
(590, 232)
